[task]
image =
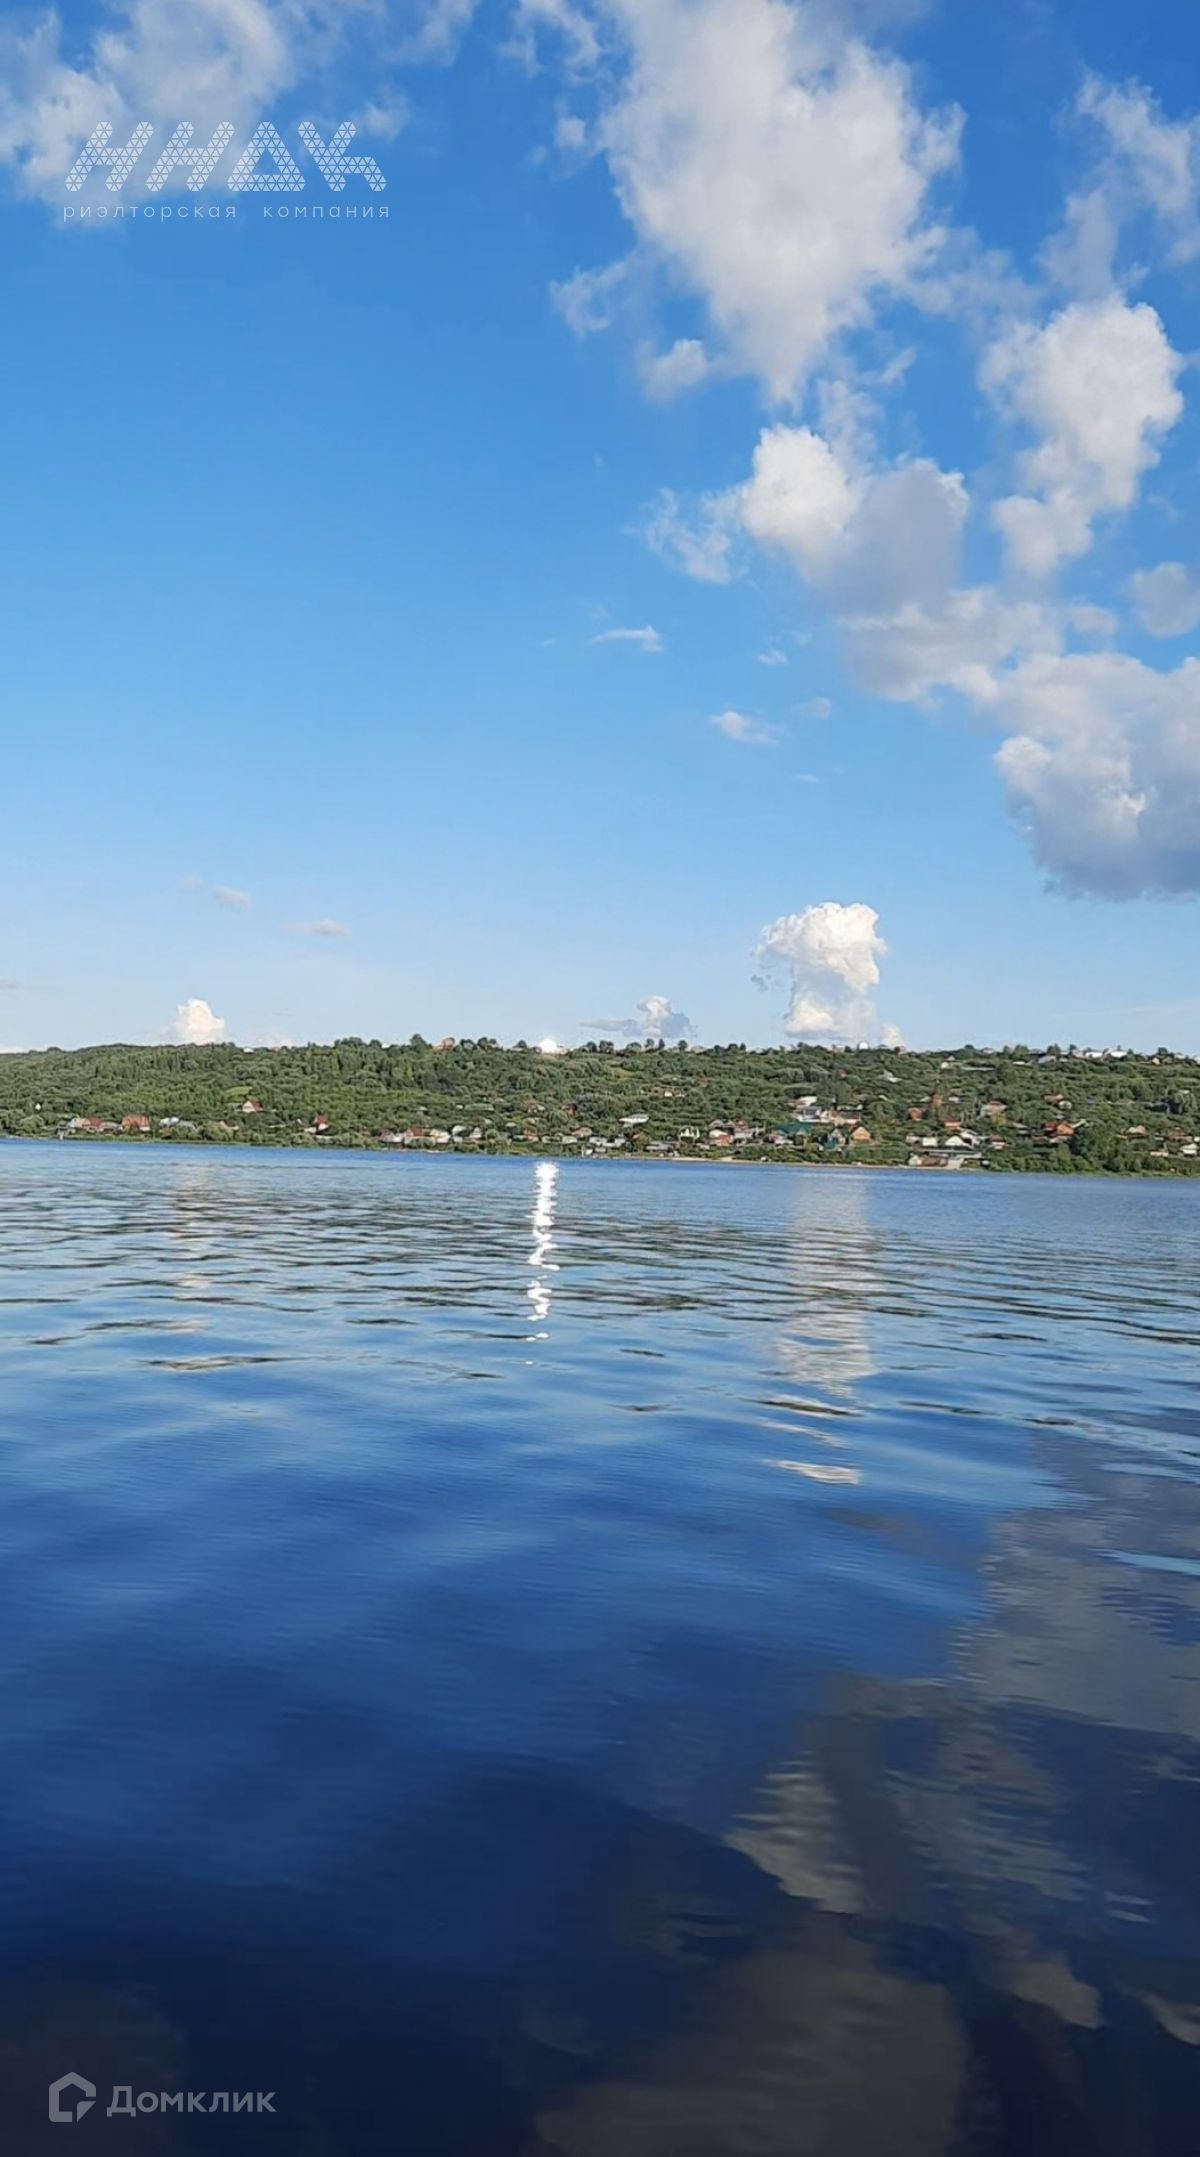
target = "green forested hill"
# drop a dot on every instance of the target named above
(1010, 1109)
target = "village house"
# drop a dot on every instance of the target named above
(135, 1123)
(252, 1108)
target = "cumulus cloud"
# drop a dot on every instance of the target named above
(1098, 384)
(1102, 766)
(330, 930)
(778, 169)
(753, 733)
(1167, 599)
(1099, 754)
(646, 640)
(226, 895)
(800, 500)
(830, 957)
(867, 538)
(655, 1019)
(870, 539)
(784, 174)
(197, 1024)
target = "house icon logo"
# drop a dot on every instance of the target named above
(66, 2114)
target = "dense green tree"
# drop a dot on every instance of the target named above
(995, 1109)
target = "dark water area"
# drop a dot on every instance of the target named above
(597, 1662)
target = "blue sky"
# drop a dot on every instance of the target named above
(844, 352)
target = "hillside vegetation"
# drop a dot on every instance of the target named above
(1017, 1108)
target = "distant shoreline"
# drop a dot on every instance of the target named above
(842, 1164)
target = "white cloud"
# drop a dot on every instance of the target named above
(1098, 385)
(1160, 156)
(957, 643)
(1102, 766)
(1098, 755)
(587, 301)
(330, 930)
(738, 726)
(1147, 174)
(668, 374)
(800, 499)
(777, 168)
(772, 657)
(236, 901)
(571, 134)
(830, 955)
(646, 640)
(439, 31)
(197, 1024)
(700, 545)
(1167, 599)
(816, 708)
(383, 118)
(655, 1019)
(869, 539)
(571, 25)
(782, 174)
(872, 540)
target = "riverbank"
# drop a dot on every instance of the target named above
(837, 1164)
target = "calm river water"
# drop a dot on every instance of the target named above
(605, 1661)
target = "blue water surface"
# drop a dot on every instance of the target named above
(600, 1660)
